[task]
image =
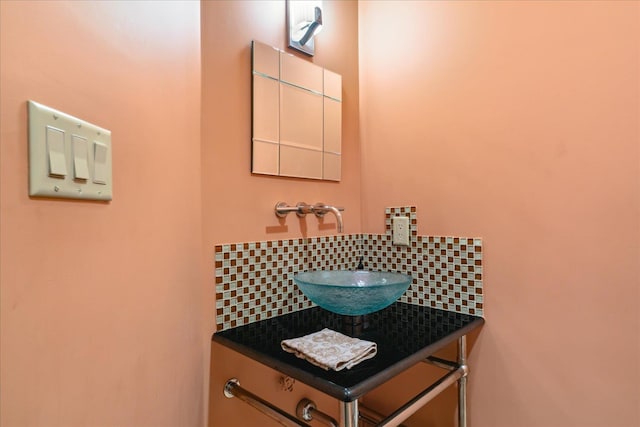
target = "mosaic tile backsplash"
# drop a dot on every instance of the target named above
(254, 280)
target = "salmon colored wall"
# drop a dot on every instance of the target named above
(101, 302)
(514, 121)
(238, 206)
(518, 122)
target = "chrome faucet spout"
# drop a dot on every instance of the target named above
(319, 209)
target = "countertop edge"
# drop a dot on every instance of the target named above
(377, 380)
(284, 368)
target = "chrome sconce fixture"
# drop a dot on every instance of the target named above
(304, 19)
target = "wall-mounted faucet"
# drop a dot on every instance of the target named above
(319, 209)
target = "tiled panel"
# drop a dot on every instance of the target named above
(331, 166)
(301, 118)
(300, 162)
(265, 157)
(254, 280)
(447, 271)
(341, 252)
(266, 60)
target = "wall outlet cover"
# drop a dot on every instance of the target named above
(400, 230)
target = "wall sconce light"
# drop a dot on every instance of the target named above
(305, 21)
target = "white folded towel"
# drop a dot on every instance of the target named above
(330, 349)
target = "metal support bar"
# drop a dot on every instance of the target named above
(462, 382)
(423, 398)
(308, 411)
(441, 363)
(232, 389)
(368, 418)
(349, 414)
(371, 416)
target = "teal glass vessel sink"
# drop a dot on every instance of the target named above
(352, 292)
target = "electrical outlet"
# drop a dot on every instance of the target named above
(400, 230)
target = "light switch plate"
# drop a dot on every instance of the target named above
(62, 160)
(400, 230)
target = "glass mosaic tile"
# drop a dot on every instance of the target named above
(254, 280)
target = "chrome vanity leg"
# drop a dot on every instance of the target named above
(462, 382)
(349, 414)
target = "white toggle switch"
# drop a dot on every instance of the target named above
(68, 157)
(100, 163)
(55, 150)
(80, 162)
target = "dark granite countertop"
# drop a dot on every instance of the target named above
(405, 334)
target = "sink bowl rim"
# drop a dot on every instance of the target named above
(399, 278)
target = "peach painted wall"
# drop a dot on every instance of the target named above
(101, 303)
(521, 118)
(238, 206)
(519, 122)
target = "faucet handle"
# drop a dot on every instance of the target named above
(319, 209)
(303, 209)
